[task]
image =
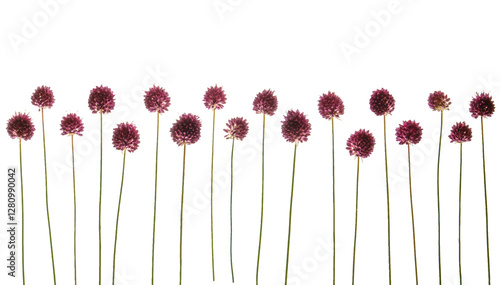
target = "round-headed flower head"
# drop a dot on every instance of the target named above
(482, 106)
(296, 127)
(237, 128)
(381, 102)
(101, 99)
(460, 132)
(186, 130)
(126, 137)
(20, 126)
(438, 101)
(265, 103)
(409, 132)
(43, 97)
(157, 99)
(361, 143)
(71, 124)
(330, 106)
(214, 98)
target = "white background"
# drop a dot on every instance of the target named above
(412, 48)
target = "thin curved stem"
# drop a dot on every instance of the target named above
(74, 201)
(231, 215)
(486, 204)
(460, 219)
(333, 195)
(412, 217)
(262, 199)
(355, 226)
(212, 198)
(118, 214)
(290, 216)
(154, 211)
(100, 199)
(47, 200)
(388, 202)
(438, 202)
(182, 209)
(22, 208)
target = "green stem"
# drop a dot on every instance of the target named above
(290, 216)
(438, 202)
(47, 199)
(182, 208)
(262, 199)
(118, 214)
(74, 201)
(460, 219)
(486, 204)
(388, 203)
(333, 195)
(355, 226)
(412, 217)
(212, 198)
(231, 215)
(100, 201)
(22, 208)
(154, 211)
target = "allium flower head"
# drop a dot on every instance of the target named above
(43, 97)
(330, 106)
(409, 132)
(296, 127)
(186, 130)
(214, 98)
(460, 132)
(71, 124)
(236, 128)
(126, 137)
(20, 126)
(361, 143)
(265, 103)
(101, 99)
(157, 100)
(482, 106)
(381, 102)
(438, 101)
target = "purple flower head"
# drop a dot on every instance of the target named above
(236, 128)
(214, 98)
(361, 143)
(482, 106)
(126, 137)
(382, 102)
(438, 101)
(71, 124)
(186, 130)
(20, 126)
(460, 132)
(409, 132)
(101, 99)
(157, 100)
(296, 127)
(43, 97)
(330, 106)
(265, 103)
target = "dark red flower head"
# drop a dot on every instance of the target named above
(438, 101)
(43, 97)
(482, 106)
(214, 98)
(409, 132)
(460, 132)
(126, 137)
(186, 130)
(330, 106)
(361, 143)
(20, 126)
(381, 102)
(265, 103)
(157, 100)
(101, 99)
(71, 124)
(296, 127)
(236, 128)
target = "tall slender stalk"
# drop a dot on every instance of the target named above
(212, 197)
(231, 215)
(74, 202)
(388, 202)
(100, 199)
(262, 199)
(333, 194)
(47, 199)
(412, 217)
(460, 219)
(355, 226)
(118, 214)
(182, 208)
(290, 216)
(22, 208)
(154, 211)
(438, 202)
(486, 203)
